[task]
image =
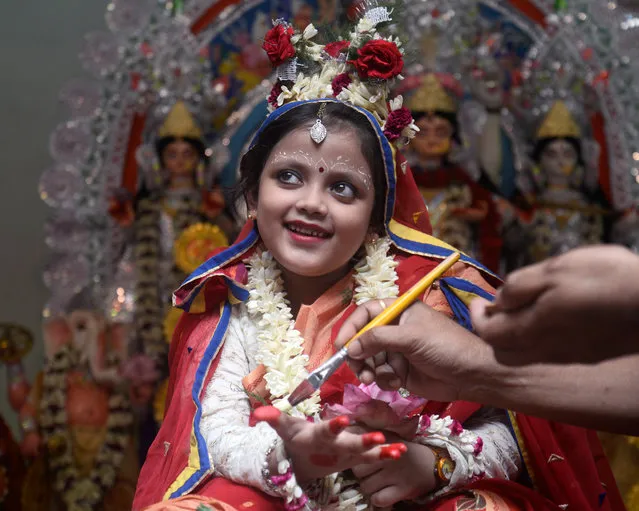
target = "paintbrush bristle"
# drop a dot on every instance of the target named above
(303, 391)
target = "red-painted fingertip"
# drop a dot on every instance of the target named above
(390, 452)
(268, 414)
(374, 438)
(400, 447)
(339, 424)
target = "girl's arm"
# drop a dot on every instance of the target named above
(483, 448)
(241, 453)
(236, 450)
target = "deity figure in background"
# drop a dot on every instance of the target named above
(15, 343)
(173, 214)
(463, 213)
(77, 420)
(499, 150)
(564, 215)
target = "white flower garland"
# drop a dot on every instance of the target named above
(281, 346)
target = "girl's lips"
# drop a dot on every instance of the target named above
(307, 230)
(305, 238)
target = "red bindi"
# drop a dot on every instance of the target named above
(321, 169)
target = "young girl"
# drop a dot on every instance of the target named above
(335, 220)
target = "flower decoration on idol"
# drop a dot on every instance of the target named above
(360, 70)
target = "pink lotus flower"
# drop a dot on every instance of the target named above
(379, 409)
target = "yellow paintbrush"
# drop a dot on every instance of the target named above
(317, 378)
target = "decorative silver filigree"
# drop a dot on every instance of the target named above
(318, 131)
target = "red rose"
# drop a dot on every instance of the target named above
(340, 82)
(396, 122)
(277, 44)
(378, 59)
(334, 49)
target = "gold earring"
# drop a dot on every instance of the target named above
(252, 215)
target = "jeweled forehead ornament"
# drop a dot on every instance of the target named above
(318, 130)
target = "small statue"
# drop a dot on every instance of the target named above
(78, 422)
(462, 213)
(564, 216)
(170, 203)
(15, 342)
(493, 134)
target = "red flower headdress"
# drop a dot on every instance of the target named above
(360, 70)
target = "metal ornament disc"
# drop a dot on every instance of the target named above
(318, 132)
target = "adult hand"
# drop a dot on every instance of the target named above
(427, 353)
(389, 482)
(322, 448)
(582, 307)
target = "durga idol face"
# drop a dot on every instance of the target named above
(180, 158)
(558, 161)
(434, 139)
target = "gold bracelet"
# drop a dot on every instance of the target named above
(444, 467)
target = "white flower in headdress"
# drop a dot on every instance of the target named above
(304, 88)
(309, 32)
(396, 103)
(360, 95)
(314, 51)
(365, 25)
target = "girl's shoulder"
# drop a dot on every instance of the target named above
(411, 268)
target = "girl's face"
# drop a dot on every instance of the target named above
(315, 202)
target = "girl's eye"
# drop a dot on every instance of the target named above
(344, 190)
(289, 177)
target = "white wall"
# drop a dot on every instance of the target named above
(39, 43)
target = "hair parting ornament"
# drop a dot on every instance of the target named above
(360, 70)
(318, 130)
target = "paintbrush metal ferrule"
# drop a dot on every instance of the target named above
(317, 378)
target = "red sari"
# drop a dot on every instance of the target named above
(563, 463)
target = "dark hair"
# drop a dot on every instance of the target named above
(451, 117)
(336, 117)
(542, 143)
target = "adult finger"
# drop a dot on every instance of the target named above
(507, 331)
(389, 338)
(379, 359)
(386, 377)
(523, 287)
(400, 367)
